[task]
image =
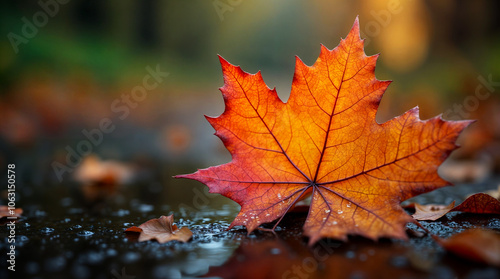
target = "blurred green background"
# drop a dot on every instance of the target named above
(63, 77)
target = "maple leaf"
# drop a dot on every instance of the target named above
(325, 142)
(161, 229)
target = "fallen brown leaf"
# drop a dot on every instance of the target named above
(478, 245)
(431, 211)
(479, 203)
(161, 229)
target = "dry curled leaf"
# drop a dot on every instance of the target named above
(161, 229)
(431, 212)
(475, 244)
(479, 203)
(325, 142)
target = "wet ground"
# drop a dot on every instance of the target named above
(61, 236)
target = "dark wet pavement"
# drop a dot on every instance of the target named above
(59, 236)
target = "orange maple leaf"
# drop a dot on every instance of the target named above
(325, 142)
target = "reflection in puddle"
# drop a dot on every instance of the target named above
(327, 259)
(76, 242)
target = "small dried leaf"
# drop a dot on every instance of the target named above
(476, 244)
(431, 211)
(162, 230)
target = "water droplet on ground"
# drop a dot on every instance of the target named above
(85, 233)
(47, 230)
(121, 212)
(94, 257)
(350, 254)
(65, 202)
(75, 211)
(494, 224)
(80, 271)
(131, 257)
(32, 267)
(55, 264)
(275, 251)
(111, 252)
(399, 261)
(166, 272)
(145, 208)
(40, 213)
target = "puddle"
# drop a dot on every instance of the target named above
(61, 237)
